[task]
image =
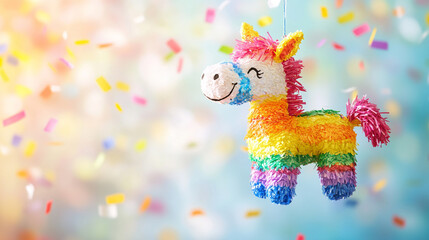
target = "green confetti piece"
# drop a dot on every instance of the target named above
(169, 56)
(226, 49)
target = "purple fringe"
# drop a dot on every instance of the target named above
(334, 177)
(282, 178)
(257, 176)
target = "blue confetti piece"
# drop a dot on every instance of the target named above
(16, 140)
(108, 143)
(351, 202)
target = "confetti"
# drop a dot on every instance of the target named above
(46, 92)
(67, 63)
(427, 18)
(380, 45)
(122, 86)
(70, 53)
(273, 3)
(99, 160)
(300, 236)
(81, 42)
(140, 145)
(324, 11)
(115, 198)
(30, 191)
(362, 29)
(399, 12)
(22, 90)
(321, 43)
(168, 56)
(43, 17)
(223, 5)
(118, 107)
(226, 49)
(139, 100)
(374, 31)
(105, 45)
(210, 15)
(16, 140)
(253, 213)
(179, 66)
(244, 148)
(398, 221)
(13, 119)
(145, 204)
(339, 3)
(30, 149)
(346, 17)
(51, 125)
(197, 212)
(379, 185)
(108, 143)
(22, 174)
(174, 46)
(337, 46)
(351, 203)
(4, 75)
(48, 207)
(104, 85)
(265, 21)
(108, 211)
(361, 65)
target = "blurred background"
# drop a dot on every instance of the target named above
(106, 134)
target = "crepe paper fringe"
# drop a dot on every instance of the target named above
(244, 94)
(339, 191)
(258, 189)
(257, 47)
(369, 116)
(281, 195)
(332, 178)
(292, 162)
(288, 46)
(292, 69)
(320, 112)
(282, 178)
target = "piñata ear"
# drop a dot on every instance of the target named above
(288, 46)
(247, 32)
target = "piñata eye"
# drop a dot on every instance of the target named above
(258, 72)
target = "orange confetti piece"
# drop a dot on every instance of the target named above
(197, 212)
(339, 3)
(105, 45)
(253, 213)
(244, 148)
(324, 11)
(379, 185)
(22, 173)
(145, 204)
(46, 93)
(398, 221)
(115, 198)
(361, 65)
(48, 207)
(399, 11)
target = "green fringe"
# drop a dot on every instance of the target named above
(319, 112)
(291, 161)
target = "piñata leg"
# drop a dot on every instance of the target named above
(337, 174)
(257, 181)
(281, 182)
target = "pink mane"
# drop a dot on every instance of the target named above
(264, 49)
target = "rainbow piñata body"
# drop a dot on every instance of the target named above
(281, 137)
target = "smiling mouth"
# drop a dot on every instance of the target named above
(220, 99)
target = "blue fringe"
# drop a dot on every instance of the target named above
(339, 191)
(281, 195)
(244, 94)
(258, 189)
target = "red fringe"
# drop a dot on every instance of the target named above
(293, 69)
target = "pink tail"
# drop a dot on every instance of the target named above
(366, 114)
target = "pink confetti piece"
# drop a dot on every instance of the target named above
(300, 236)
(210, 15)
(48, 207)
(321, 43)
(362, 29)
(338, 46)
(67, 63)
(51, 125)
(179, 67)
(139, 100)
(380, 45)
(13, 119)
(174, 45)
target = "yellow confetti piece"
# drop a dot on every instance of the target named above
(226, 49)
(118, 107)
(4, 75)
(427, 18)
(104, 85)
(354, 94)
(379, 185)
(122, 86)
(197, 212)
(140, 145)
(244, 148)
(43, 17)
(372, 36)
(55, 143)
(21, 56)
(346, 17)
(253, 213)
(29, 150)
(145, 204)
(1, 62)
(22, 173)
(265, 21)
(115, 198)
(70, 53)
(81, 42)
(324, 11)
(393, 108)
(22, 90)
(168, 56)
